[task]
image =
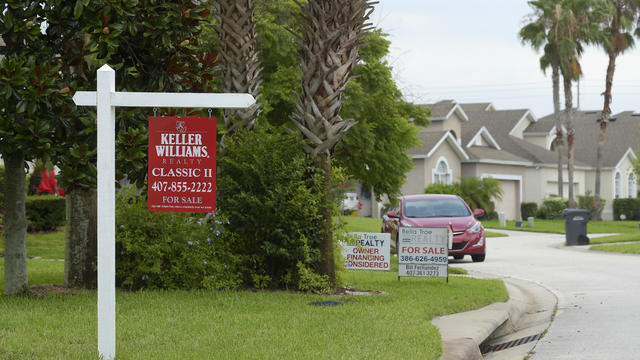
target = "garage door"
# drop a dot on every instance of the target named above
(510, 202)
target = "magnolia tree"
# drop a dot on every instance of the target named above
(32, 99)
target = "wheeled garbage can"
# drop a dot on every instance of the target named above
(575, 226)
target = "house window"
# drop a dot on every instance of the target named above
(442, 172)
(631, 185)
(618, 186)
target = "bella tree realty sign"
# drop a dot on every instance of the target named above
(182, 164)
(367, 251)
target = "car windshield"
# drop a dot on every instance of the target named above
(436, 207)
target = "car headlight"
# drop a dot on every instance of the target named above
(475, 228)
(405, 224)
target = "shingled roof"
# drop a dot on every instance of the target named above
(500, 123)
(441, 109)
(476, 107)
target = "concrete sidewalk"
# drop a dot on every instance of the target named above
(509, 330)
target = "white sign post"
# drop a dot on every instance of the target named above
(106, 99)
(424, 252)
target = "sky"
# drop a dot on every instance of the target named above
(469, 51)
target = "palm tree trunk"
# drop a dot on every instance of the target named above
(323, 162)
(555, 78)
(568, 103)
(606, 114)
(15, 231)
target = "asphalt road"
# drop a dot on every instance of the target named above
(598, 293)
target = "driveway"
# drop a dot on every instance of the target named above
(598, 293)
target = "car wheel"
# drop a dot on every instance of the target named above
(478, 258)
(458, 257)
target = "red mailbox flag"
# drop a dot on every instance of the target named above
(182, 164)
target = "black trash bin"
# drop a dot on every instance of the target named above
(575, 226)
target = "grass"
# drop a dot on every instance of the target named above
(44, 245)
(557, 226)
(619, 248)
(238, 324)
(248, 325)
(626, 231)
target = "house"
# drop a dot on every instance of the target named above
(517, 149)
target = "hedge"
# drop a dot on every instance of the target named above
(630, 207)
(552, 208)
(528, 209)
(45, 212)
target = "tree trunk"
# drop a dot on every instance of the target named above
(81, 239)
(323, 161)
(555, 78)
(604, 120)
(15, 231)
(568, 97)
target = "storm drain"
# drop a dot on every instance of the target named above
(486, 348)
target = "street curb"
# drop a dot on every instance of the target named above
(463, 333)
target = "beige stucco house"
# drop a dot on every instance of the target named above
(516, 148)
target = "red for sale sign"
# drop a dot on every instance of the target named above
(182, 164)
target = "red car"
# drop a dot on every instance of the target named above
(435, 210)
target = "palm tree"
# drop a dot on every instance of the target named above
(332, 31)
(575, 19)
(615, 39)
(542, 30)
(240, 64)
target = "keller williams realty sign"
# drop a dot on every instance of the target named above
(182, 164)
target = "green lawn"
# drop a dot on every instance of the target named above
(44, 245)
(619, 248)
(557, 226)
(238, 324)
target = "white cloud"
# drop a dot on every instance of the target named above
(475, 55)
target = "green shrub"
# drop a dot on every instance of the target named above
(274, 199)
(587, 202)
(528, 209)
(630, 207)
(552, 208)
(438, 188)
(165, 250)
(45, 212)
(477, 193)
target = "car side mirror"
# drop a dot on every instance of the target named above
(393, 214)
(478, 212)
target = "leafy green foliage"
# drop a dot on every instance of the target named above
(161, 250)
(45, 212)
(440, 188)
(528, 209)
(588, 202)
(153, 46)
(630, 207)
(272, 195)
(477, 193)
(278, 50)
(552, 208)
(373, 151)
